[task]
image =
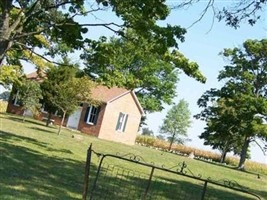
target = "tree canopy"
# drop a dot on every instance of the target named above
(30, 95)
(55, 26)
(143, 65)
(243, 94)
(64, 91)
(140, 58)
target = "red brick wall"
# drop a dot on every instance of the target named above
(14, 109)
(18, 110)
(88, 128)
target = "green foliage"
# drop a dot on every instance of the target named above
(135, 62)
(10, 74)
(30, 95)
(64, 91)
(145, 140)
(147, 131)
(54, 27)
(240, 106)
(176, 122)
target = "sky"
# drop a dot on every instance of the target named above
(203, 43)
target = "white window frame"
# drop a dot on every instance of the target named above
(122, 122)
(90, 113)
(42, 108)
(16, 99)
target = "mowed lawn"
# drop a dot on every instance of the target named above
(36, 163)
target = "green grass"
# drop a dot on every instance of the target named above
(36, 163)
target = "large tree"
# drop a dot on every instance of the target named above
(39, 30)
(176, 122)
(221, 136)
(244, 93)
(140, 64)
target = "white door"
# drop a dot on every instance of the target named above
(74, 119)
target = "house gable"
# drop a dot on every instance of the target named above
(124, 105)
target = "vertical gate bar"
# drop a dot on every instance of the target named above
(149, 182)
(87, 172)
(97, 175)
(204, 190)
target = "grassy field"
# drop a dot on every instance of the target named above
(36, 163)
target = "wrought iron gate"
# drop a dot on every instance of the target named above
(116, 178)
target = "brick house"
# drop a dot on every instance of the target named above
(116, 119)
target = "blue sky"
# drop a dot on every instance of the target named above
(202, 45)
(203, 42)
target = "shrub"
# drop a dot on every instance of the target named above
(145, 140)
(199, 154)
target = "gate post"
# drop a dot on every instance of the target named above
(149, 182)
(87, 171)
(204, 190)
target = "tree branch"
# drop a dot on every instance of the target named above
(17, 21)
(106, 25)
(262, 149)
(203, 13)
(41, 56)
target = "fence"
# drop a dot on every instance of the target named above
(129, 177)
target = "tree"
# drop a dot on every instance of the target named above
(221, 136)
(30, 95)
(143, 65)
(147, 131)
(64, 91)
(244, 93)
(161, 137)
(176, 122)
(233, 14)
(55, 27)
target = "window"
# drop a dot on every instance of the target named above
(16, 100)
(122, 121)
(91, 115)
(44, 108)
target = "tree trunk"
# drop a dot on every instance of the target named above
(24, 116)
(243, 154)
(5, 30)
(3, 48)
(48, 118)
(223, 156)
(224, 152)
(61, 123)
(171, 142)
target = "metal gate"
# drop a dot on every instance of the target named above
(129, 177)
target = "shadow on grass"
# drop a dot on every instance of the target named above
(5, 137)
(42, 129)
(29, 174)
(116, 182)
(19, 118)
